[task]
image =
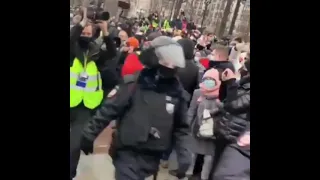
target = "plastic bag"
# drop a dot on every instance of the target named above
(95, 167)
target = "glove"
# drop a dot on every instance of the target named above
(86, 145)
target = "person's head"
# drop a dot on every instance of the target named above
(123, 35)
(210, 83)
(150, 38)
(210, 36)
(86, 36)
(187, 46)
(220, 53)
(131, 44)
(87, 31)
(235, 41)
(165, 55)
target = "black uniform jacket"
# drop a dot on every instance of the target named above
(120, 101)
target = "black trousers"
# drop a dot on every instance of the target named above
(131, 165)
(79, 116)
(220, 144)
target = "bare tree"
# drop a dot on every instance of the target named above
(219, 16)
(235, 16)
(191, 10)
(224, 20)
(172, 8)
(205, 11)
(177, 8)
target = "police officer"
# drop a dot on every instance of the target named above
(86, 90)
(150, 112)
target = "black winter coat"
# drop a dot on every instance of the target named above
(188, 76)
(236, 111)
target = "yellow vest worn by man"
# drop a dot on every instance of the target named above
(154, 24)
(85, 84)
(166, 25)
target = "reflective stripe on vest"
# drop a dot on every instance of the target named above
(91, 94)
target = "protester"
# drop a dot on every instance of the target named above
(221, 63)
(123, 37)
(235, 129)
(205, 102)
(130, 45)
(237, 53)
(188, 76)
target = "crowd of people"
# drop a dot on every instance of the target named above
(168, 87)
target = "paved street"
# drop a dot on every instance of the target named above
(99, 166)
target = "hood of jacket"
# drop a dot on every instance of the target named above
(188, 47)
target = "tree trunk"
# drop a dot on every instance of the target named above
(248, 31)
(177, 9)
(191, 10)
(224, 20)
(204, 14)
(234, 18)
(172, 8)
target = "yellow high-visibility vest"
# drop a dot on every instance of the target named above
(85, 84)
(166, 25)
(154, 24)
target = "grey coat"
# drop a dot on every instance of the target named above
(195, 112)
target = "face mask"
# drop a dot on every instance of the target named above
(166, 72)
(84, 42)
(209, 83)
